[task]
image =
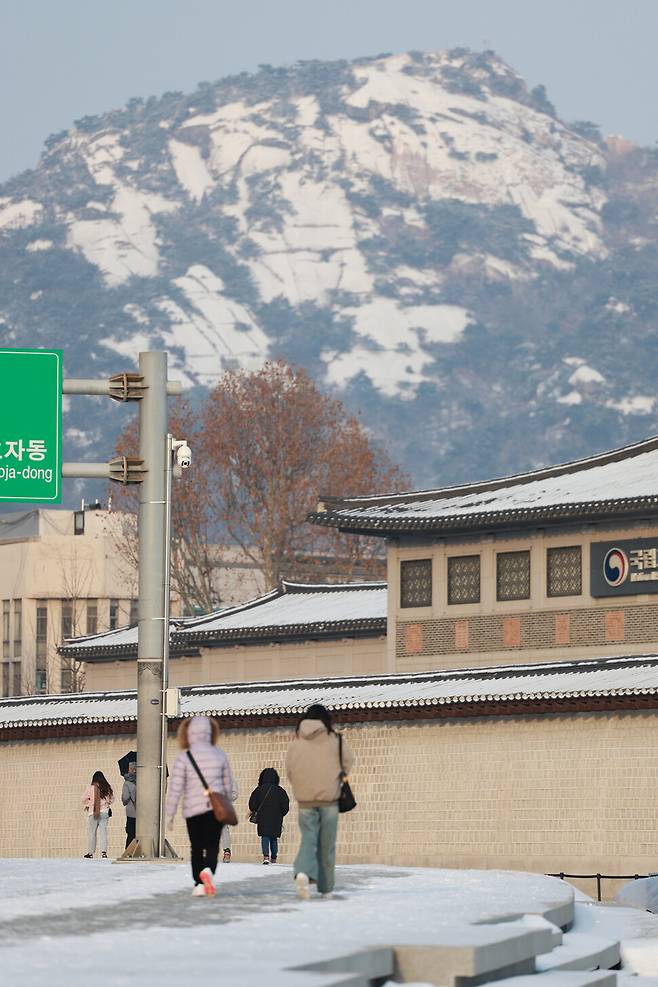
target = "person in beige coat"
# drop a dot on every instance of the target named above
(314, 771)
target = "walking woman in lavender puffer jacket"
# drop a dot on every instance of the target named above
(199, 736)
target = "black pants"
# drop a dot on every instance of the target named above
(204, 832)
(131, 822)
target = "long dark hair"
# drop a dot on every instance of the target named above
(316, 712)
(104, 787)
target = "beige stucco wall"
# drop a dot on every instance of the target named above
(57, 565)
(546, 793)
(253, 663)
(640, 634)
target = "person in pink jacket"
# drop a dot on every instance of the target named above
(97, 801)
(198, 736)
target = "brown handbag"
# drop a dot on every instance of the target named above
(222, 807)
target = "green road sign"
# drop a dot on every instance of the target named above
(31, 425)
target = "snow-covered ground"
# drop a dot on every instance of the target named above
(75, 922)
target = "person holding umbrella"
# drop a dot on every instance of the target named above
(129, 799)
(128, 771)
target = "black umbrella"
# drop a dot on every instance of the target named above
(125, 761)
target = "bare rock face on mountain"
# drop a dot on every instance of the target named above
(420, 231)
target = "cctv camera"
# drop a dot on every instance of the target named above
(184, 456)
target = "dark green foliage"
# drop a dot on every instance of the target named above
(305, 331)
(590, 131)
(458, 80)
(540, 101)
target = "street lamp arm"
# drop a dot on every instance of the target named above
(122, 387)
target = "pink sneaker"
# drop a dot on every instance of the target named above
(207, 879)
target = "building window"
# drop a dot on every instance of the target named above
(5, 678)
(114, 614)
(18, 629)
(78, 522)
(133, 612)
(92, 616)
(67, 619)
(564, 575)
(6, 637)
(67, 680)
(42, 645)
(416, 583)
(464, 579)
(513, 576)
(17, 678)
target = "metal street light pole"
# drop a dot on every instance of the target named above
(151, 611)
(152, 471)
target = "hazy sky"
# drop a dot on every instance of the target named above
(63, 59)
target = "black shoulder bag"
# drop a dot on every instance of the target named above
(253, 816)
(346, 800)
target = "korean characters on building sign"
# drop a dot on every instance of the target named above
(30, 425)
(643, 563)
(624, 567)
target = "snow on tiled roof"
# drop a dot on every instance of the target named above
(510, 684)
(624, 481)
(298, 605)
(122, 641)
(293, 608)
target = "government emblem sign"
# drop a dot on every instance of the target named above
(625, 567)
(31, 425)
(615, 566)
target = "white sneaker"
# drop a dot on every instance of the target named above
(208, 885)
(326, 895)
(303, 886)
(198, 891)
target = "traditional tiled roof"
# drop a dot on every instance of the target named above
(618, 484)
(116, 644)
(292, 611)
(295, 610)
(613, 683)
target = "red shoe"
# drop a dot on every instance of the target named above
(207, 880)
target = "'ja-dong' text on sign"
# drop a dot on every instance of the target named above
(624, 567)
(31, 425)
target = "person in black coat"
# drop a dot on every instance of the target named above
(269, 803)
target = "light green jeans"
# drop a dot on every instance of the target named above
(316, 856)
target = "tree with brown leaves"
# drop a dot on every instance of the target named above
(273, 443)
(266, 445)
(194, 552)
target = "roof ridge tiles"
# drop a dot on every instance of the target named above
(481, 486)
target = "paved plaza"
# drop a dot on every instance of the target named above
(67, 922)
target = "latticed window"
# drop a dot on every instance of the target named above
(513, 576)
(416, 583)
(18, 631)
(42, 633)
(67, 619)
(564, 575)
(464, 579)
(6, 604)
(92, 616)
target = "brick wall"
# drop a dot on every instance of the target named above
(547, 793)
(575, 629)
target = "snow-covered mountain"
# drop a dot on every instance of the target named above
(419, 230)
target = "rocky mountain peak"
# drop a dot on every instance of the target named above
(382, 222)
